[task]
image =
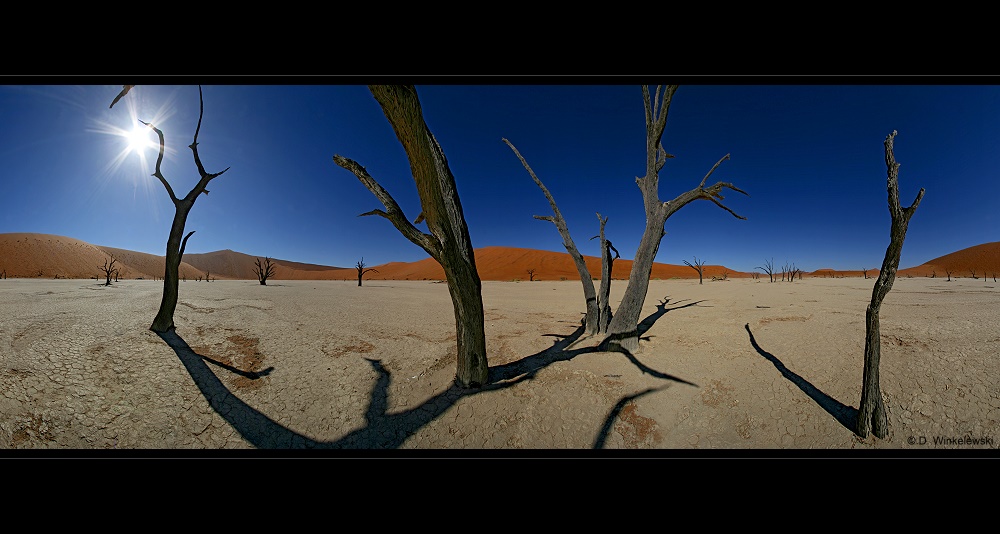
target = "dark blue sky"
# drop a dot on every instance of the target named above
(810, 155)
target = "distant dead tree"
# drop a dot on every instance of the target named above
(933, 273)
(592, 316)
(109, 270)
(531, 275)
(623, 332)
(265, 270)
(871, 413)
(768, 268)
(698, 266)
(865, 273)
(754, 275)
(948, 272)
(993, 273)
(164, 320)
(792, 272)
(724, 276)
(448, 241)
(973, 273)
(362, 270)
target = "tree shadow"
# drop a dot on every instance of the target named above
(644, 325)
(609, 421)
(382, 430)
(845, 415)
(661, 310)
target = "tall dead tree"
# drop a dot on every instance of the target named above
(698, 266)
(362, 270)
(591, 323)
(607, 264)
(531, 275)
(448, 241)
(263, 271)
(109, 270)
(623, 332)
(872, 416)
(164, 320)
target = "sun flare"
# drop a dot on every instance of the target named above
(140, 138)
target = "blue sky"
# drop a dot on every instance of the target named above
(808, 151)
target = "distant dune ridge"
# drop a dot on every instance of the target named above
(34, 255)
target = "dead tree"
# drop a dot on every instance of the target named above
(164, 320)
(865, 273)
(948, 272)
(264, 271)
(362, 270)
(871, 413)
(591, 319)
(109, 270)
(531, 275)
(607, 265)
(768, 268)
(448, 241)
(973, 273)
(698, 266)
(623, 332)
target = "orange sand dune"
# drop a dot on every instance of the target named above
(228, 264)
(32, 255)
(982, 259)
(509, 263)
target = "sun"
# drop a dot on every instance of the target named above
(140, 138)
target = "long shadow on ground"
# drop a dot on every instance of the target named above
(845, 415)
(383, 430)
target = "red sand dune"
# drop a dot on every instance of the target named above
(33, 255)
(228, 264)
(983, 259)
(508, 263)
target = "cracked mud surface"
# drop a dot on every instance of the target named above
(737, 365)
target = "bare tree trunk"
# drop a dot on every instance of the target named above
(604, 295)
(871, 413)
(164, 319)
(591, 320)
(448, 241)
(623, 333)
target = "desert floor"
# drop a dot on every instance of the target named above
(738, 365)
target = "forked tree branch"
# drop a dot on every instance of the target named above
(393, 212)
(184, 243)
